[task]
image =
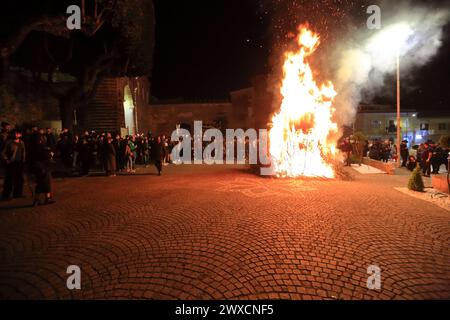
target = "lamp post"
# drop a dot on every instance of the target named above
(393, 37)
(448, 174)
(398, 110)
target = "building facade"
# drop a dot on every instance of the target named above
(246, 108)
(119, 105)
(165, 117)
(380, 122)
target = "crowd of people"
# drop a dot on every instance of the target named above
(33, 152)
(111, 153)
(25, 153)
(382, 150)
(429, 156)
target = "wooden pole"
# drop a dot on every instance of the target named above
(398, 110)
(83, 10)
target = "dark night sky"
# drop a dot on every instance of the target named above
(205, 49)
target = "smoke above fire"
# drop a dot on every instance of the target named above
(358, 60)
(365, 57)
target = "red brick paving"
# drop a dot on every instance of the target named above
(222, 233)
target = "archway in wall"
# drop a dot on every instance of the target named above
(129, 110)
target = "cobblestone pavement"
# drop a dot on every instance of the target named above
(223, 233)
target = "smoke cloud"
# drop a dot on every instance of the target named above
(368, 56)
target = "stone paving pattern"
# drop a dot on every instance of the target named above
(222, 233)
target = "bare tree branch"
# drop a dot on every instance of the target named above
(55, 25)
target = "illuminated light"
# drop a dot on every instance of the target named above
(391, 39)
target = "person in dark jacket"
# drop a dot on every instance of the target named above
(76, 151)
(41, 170)
(4, 134)
(385, 152)
(347, 148)
(145, 149)
(65, 149)
(51, 141)
(412, 163)
(85, 155)
(118, 148)
(404, 152)
(13, 155)
(158, 154)
(419, 155)
(445, 155)
(436, 159)
(426, 154)
(109, 157)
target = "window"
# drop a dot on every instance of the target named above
(392, 127)
(376, 124)
(424, 126)
(442, 126)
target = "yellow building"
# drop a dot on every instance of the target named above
(380, 122)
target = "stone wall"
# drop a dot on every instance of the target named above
(165, 117)
(242, 101)
(263, 102)
(25, 102)
(248, 108)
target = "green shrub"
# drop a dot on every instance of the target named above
(415, 181)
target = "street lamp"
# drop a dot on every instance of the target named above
(392, 41)
(398, 110)
(448, 173)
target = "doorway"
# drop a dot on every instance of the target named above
(129, 111)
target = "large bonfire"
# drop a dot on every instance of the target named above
(300, 137)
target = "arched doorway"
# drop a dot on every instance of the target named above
(129, 110)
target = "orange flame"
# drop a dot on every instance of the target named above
(300, 135)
